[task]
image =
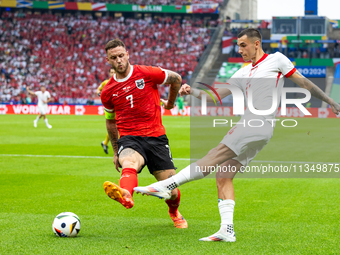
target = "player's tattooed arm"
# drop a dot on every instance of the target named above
(175, 81)
(305, 83)
(315, 91)
(111, 126)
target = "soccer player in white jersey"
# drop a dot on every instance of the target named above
(241, 144)
(43, 98)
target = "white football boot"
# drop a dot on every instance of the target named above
(220, 237)
(154, 190)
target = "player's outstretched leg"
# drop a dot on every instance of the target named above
(193, 172)
(162, 189)
(119, 194)
(175, 215)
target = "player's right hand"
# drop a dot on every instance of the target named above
(184, 90)
(116, 162)
(335, 108)
(167, 105)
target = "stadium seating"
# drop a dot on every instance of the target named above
(152, 2)
(67, 53)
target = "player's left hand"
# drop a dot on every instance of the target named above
(167, 105)
(335, 108)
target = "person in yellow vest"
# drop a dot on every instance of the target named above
(105, 143)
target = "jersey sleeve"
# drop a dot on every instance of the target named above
(108, 106)
(157, 75)
(37, 93)
(285, 66)
(48, 95)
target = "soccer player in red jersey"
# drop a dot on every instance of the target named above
(133, 107)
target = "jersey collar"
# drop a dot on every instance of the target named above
(126, 78)
(261, 59)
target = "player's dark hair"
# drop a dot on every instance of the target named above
(111, 69)
(251, 33)
(113, 44)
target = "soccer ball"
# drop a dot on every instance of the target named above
(66, 224)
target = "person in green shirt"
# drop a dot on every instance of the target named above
(180, 104)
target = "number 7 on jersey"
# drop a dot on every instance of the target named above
(130, 97)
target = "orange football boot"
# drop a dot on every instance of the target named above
(119, 194)
(178, 220)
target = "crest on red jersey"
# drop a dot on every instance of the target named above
(140, 83)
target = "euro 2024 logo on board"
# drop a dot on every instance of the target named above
(79, 110)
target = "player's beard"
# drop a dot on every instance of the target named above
(124, 70)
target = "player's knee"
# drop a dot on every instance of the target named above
(221, 151)
(130, 162)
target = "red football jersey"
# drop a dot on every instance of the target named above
(136, 101)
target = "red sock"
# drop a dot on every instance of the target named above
(129, 180)
(174, 204)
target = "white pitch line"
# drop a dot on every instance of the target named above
(63, 156)
(99, 157)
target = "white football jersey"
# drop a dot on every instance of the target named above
(42, 97)
(265, 79)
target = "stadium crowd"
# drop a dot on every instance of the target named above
(294, 50)
(152, 2)
(66, 54)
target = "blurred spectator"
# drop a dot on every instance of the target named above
(153, 2)
(66, 54)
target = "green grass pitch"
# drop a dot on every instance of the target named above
(272, 215)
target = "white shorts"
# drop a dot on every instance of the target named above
(42, 109)
(248, 141)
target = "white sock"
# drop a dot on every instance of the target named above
(190, 173)
(46, 121)
(226, 208)
(37, 119)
